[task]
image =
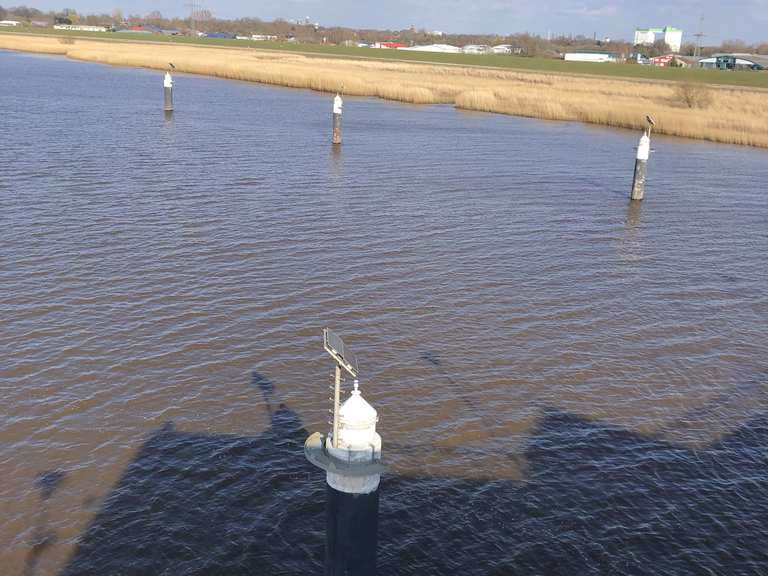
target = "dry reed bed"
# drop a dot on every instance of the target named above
(735, 116)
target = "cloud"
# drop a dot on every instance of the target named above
(585, 11)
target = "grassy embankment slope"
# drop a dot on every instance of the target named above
(607, 94)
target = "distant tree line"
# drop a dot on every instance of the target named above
(523, 44)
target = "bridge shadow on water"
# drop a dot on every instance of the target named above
(595, 500)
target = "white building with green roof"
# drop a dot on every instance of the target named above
(673, 37)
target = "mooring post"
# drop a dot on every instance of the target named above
(351, 458)
(641, 162)
(338, 103)
(168, 89)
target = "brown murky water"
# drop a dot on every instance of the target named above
(566, 383)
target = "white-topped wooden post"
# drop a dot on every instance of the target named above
(338, 104)
(168, 90)
(641, 162)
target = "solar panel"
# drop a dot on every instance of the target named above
(334, 345)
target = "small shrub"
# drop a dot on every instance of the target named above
(66, 40)
(693, 95)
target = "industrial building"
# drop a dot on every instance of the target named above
(476, 49)
(444, 48)
(734, 62)
(591, 57)
(80, 28)
(673, 37)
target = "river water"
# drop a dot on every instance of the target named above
(566, 384)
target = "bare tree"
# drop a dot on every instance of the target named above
(688, 49)
(72, 14)
(659, 48)
(734, 46)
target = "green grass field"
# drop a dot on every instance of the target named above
(750, 79)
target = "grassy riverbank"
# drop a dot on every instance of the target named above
(745, 79)
(734, 115)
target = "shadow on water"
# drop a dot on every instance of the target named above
(713, 416)
(267, 389)
(596, 500)
(49, 482)
(206, 504)
(43, 537)
(433, 359)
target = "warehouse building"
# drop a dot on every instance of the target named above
(591, 57)
(734, 62)
(443, 48)
(80, 28)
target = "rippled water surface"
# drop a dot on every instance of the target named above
(567, 384)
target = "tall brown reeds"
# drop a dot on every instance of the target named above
(729, 115)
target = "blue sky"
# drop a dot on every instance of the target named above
(729, 19)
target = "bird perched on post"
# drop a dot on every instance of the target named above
(651, 124)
